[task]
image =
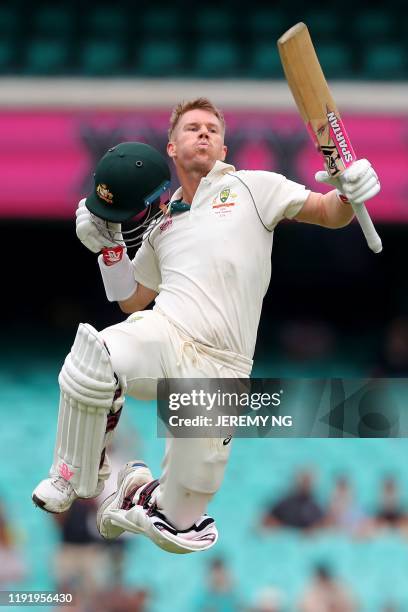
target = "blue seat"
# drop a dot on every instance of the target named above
(214, 22)
(322, 25)
(264, 62)
(7, 56)
(107, 20)
(102, 58)
(161, 21)
(336, 60)
(267, 23)
(217, 59)
(9, 20)
(54, 20)
(375, 24)
(160, 58)
(385, 62)
(46, 57)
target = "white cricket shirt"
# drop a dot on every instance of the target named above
(211, 265)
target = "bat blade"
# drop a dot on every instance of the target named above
(320, 113)
(303, 73)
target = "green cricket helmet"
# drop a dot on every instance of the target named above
(131, 180)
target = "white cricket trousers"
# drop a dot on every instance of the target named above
(148, 346)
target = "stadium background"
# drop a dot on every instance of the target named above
(76, 80)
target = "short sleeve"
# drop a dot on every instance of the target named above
(275, 196)
(146, 267)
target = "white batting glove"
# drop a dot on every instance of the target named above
(358, 183)
(91, 235)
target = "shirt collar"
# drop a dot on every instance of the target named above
(218, 169)
(177, 195)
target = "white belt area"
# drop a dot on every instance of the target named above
(235, 361)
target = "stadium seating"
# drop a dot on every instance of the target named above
(209, 41)
(159, 58)
(46, 57)
(9, 21)
(324, 25)
(100, 57)
(267, 23)
(214, 23)
(385, 62)
(8, 55)
(54, 20)
(107, 20)
(159, 20)
(264, 62)
(218, 59)
(377, 25)
(336, 60)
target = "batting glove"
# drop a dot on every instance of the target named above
(106, 237)
(358, 183)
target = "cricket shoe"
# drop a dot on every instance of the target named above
(132, 508)
(57, 495)
(131, 478)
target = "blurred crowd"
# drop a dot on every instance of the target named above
(93, 570)
(300, 509)
(12, 565)
(324, 592)
(311, 342)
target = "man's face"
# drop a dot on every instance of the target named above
(197, 142)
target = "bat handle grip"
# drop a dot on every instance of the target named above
(369, 231)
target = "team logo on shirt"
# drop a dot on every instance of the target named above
(224, 202)
(224, 195)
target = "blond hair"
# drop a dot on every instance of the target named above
(199, 103)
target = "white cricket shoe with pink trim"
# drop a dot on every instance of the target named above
(57, 495)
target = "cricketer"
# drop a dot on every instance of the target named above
(205, 261)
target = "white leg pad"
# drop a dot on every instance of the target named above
(88, 384)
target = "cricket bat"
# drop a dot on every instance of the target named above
(320, 114)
